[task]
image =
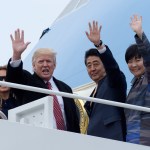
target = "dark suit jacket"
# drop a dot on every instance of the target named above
(104, 120)
(20, 76)
(8, 104)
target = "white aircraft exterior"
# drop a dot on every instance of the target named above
(67, 35)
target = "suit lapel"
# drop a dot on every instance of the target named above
(61, 88)
(39, 81)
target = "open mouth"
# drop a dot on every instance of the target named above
(45, 71)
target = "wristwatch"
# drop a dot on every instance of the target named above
(100, 44)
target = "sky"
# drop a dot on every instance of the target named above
(32, 16)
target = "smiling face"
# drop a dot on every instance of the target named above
(44, 64)
(134, 61)
(95, 68)
(136, 66)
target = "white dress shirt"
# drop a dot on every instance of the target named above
(61, 103)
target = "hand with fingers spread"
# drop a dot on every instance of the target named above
(18, 44)
(94, 33)
(136, 25)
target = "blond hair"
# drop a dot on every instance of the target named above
(47, 51)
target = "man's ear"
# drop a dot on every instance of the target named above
(33, 67)
(55, 65)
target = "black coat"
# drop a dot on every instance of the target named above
(8, 104)
(20, 76)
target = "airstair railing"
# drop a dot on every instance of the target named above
(74, 96)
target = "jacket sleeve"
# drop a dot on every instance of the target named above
(115, 75)
(144, 48)
(16, 75)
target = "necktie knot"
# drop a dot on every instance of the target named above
(49, 86)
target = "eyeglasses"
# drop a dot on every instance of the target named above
(2, 78)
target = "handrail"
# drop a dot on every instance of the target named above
(2, 115)
(74, 96)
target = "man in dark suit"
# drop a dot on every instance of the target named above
(104, 120)
(44, 64)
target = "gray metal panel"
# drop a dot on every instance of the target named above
(25, 137)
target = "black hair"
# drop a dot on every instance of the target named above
(131, 52)
(91, 52)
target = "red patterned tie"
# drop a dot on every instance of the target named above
(57, 111)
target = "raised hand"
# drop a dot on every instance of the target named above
(18, 44)
(136, 25)
(94, 33)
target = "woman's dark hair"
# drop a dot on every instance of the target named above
(131, 52)
(3, 67)
(91, 52)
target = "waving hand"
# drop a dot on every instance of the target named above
(18, 44)
(136, 25)
(94, 33)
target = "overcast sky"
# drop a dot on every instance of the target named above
(33, 16)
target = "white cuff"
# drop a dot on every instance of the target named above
(101, 51)
(15, 63)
